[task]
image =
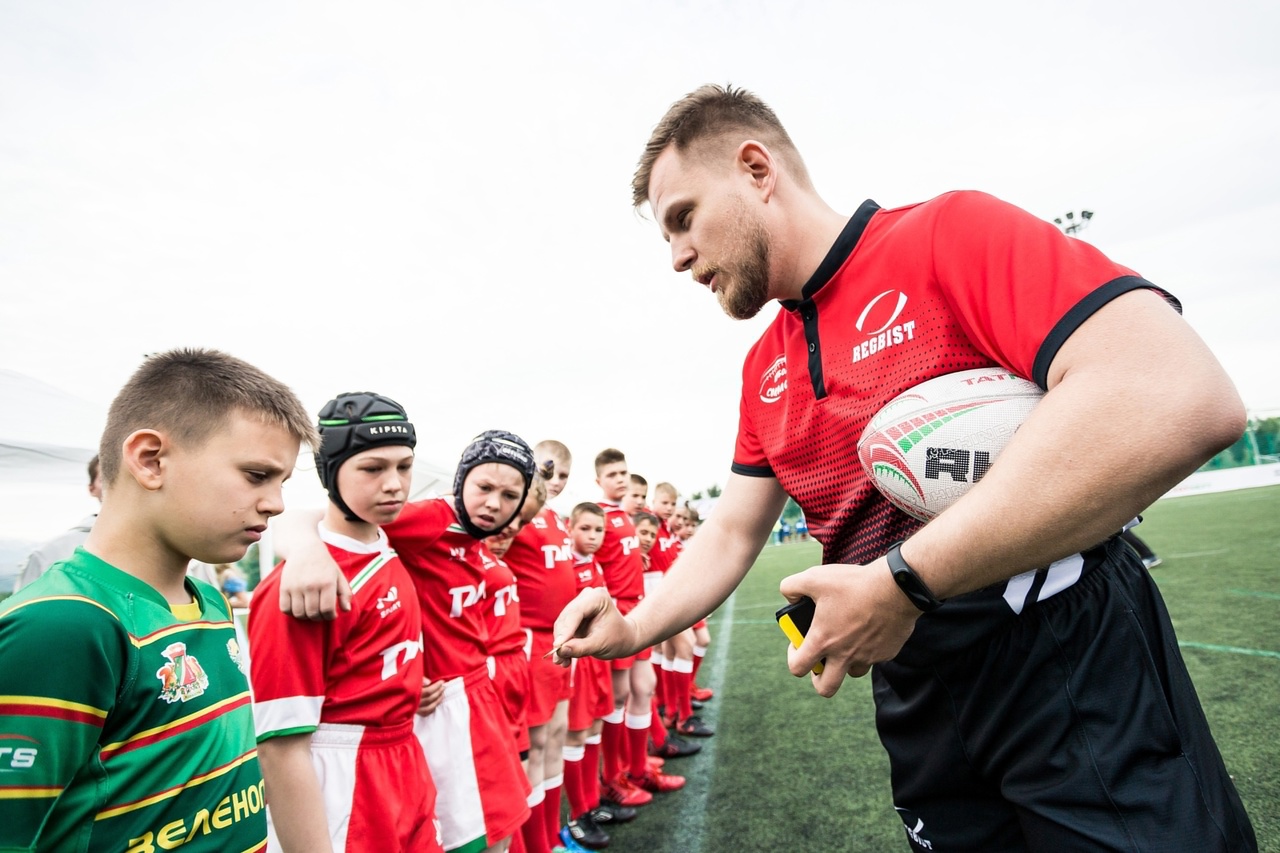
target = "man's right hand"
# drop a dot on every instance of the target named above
(591, 625)
(311, 586)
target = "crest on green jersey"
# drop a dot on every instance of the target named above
(182, 678)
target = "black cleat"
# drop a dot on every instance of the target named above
(586, 832)
(676, 747)
(694, 727)
(610, 812)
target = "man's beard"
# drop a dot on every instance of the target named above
(747, 287)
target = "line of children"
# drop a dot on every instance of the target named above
(482, 789)
(354, 718)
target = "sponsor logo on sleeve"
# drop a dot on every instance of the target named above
(773, 383)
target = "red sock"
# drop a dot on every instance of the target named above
(551, 810)
(533, 832)
(612, 750)
(517, 843)
(657, 731)
(684, 684)
(638, 745)
(591, 774)
(697, 662)
(575, 782)
(660, 685)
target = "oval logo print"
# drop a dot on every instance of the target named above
(774, 382)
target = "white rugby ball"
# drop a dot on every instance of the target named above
(930, 444)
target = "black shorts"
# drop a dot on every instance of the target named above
(1077, 729)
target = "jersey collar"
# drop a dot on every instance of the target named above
(839, 252)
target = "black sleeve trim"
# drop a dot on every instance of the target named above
(1083, 310)
(751, 470)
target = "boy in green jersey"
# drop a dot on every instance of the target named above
(125, 719)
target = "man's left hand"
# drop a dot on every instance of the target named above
(861, 618)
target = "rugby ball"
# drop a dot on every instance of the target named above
(930, 444)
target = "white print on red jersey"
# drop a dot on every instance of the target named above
(666, 542)
(557, 553)
(391, 656)
(539, 522)
(464, 596)
(881, 326)
(502, 598)
(615, 521)
(773, 383)
(389, 603)
(629, 544)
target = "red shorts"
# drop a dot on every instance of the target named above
(511, 681)
(377, 790)
(625, 606)
(549, 684)
(592, 693)
(701, 623)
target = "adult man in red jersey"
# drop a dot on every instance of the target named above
(997, 656)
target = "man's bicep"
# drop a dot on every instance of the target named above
(749, 506)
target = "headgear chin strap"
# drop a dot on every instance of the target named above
(493, 445)
(354, 422)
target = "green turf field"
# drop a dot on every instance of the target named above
(788, 770)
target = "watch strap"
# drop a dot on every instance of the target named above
(909, 582)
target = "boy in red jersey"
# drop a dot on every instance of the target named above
(678, 664)
(591, 702)
(541, 556)
(343, 769)
(627, 775)
(481, 787)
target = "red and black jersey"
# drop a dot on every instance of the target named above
(445, 564)
(541, 556)
(959, 282)
(619, 555)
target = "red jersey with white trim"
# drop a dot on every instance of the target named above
(445, 565)
(587, 571)
(501, 606)
(962, 281)
(619, 555)
(541, 556)
(665, 549)
(363, 668)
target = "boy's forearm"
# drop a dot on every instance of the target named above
(293, 790)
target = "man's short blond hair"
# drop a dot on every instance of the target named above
(667, 489)
(189, 394)
(723, 114)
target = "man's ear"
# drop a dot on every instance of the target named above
(756, 160)
(142, 457)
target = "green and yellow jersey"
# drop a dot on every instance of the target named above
(122, 726)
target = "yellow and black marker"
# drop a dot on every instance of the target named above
(794, 620)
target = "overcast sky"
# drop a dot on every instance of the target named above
(432, 200)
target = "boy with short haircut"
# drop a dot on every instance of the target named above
(141, 736)
(637, 496)
(591, 702)
(343, 768)
(628, 777)
(541, 556)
